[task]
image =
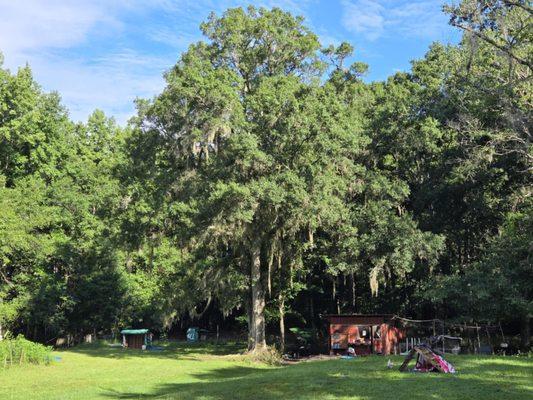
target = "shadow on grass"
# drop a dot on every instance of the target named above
(167, 350)
(362, 379)
(226, 373)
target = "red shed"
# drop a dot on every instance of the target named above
(366, 333)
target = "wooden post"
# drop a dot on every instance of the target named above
(469, 341)
(488, 338)
(330, 340)
(503, 337)
(443, 333)
(371, 338)
(478, 340)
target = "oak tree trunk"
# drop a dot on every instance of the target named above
(250, 320)
(256, 335)
(282, 322)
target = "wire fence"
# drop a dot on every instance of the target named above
(456, 337)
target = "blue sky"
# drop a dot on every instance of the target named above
(105, 53)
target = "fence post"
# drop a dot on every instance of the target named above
(489, 339)
(443, 333)
(478, 340)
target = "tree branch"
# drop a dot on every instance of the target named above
(6, 280)
(518, 4)
(494, 43)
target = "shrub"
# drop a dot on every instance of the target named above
(22, 351)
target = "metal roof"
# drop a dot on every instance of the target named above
(133, 331)
(358, 315)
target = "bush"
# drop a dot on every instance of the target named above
(22, 351)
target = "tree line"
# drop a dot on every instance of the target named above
(268, 182)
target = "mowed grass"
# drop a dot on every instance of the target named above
(210, 372)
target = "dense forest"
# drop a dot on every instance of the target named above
(269, 184)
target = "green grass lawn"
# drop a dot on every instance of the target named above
(209, 372)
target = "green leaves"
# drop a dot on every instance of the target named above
(267, 165)
(261, 42)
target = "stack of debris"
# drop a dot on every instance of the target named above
(427, 360)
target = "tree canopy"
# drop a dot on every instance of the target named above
(269, 183)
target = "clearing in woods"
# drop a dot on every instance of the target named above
(183, 371)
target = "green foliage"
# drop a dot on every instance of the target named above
(268, 183)
(497, 286)
(58, 268)
(20, 351)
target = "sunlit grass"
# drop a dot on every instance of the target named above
(213, 372)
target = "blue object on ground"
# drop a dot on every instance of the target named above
(192, 334)
(56, 358)
(348, 358)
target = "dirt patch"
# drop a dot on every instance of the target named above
(318, 357)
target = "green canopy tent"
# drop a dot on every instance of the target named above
(136, 338)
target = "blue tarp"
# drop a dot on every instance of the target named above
(192, 334)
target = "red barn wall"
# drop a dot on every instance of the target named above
(344, 329)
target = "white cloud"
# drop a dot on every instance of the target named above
(104, 54)
(109, 83)
(379, 18)
(44, 34)
(364, 16)
(26, 25)
(176, 39)
(327, 39)
(62, 42)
